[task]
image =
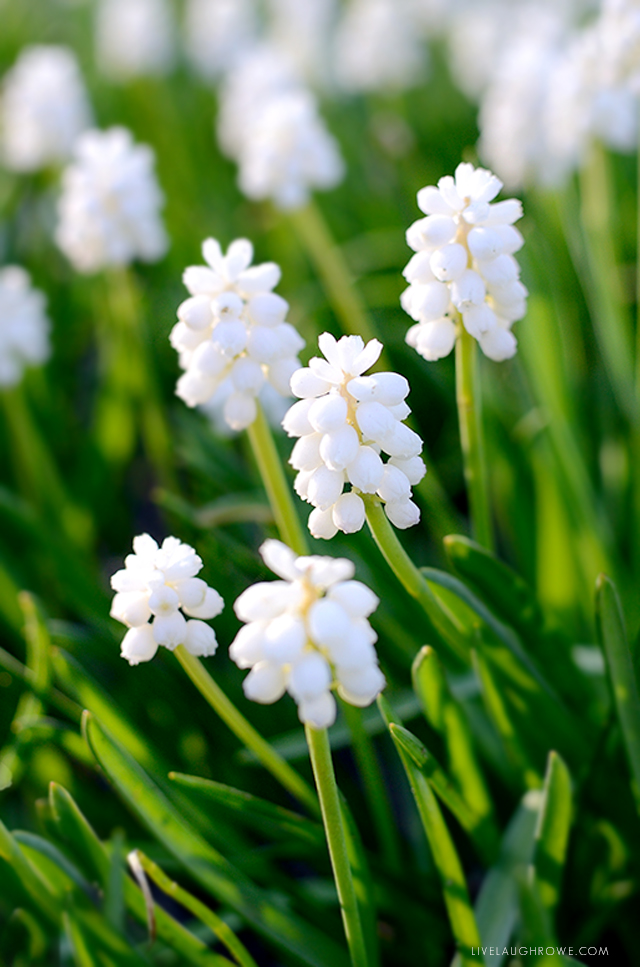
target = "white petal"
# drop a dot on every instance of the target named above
(201, 640)
(164, 601)
(361, 686)
(310, 676)
(265, 600)
(365, 472)
(318, 712)
(498, 344)
(349, 513)
(449, 262)
(321, 524)
(258, 279)
(265, 683)
(284, 639)
(138, 645)
(240, 411)
(402, 513)
(211, 607)
(191, 592)
(356, 598)
(131, 608)
(431, 202)
(230, 337)
(374, 421)
(296, 420)
(479, 320)
(394, 484)
(246, 650)
(328, 413)
(306, 384)
(280, 559)
(267, 309)
(366, 359)
(325, 486)
(196, 312)
(402, 442)
(170, 631)
(433, 340)
(339, 448)
(328, 622)
(413, 468)
(306, 452)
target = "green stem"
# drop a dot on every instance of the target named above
(240, 727)
(130, 386)
(411, 578)
(471, 437)
(36, 472)
(320, 754)
(329, 263)
(374, 787)
(276, 484)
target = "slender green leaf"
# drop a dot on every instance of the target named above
(218, 927)
(81, 841)
(552, 832)
(33, 844)
(454, 886)
(624, 685)
(31, 881)
(206, 865)
(446, 716)
(252, 811)
(496, 908)
(506, 593)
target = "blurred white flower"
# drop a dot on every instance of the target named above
(218, 33)
(301, 33)
(231, 333)
(134, 38)
(261, 74)
(24, 326)
(289, 153)
(109, 210)
(464, 266)
(378, 46)
(43, 108)
(344, 420)
(308, 634)
(155, 586)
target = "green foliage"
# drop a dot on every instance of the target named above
(495, 800)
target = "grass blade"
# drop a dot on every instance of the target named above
(552, 833)
(622, 676)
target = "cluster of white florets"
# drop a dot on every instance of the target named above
(109, 210)
(270, 125)
(464, 266)
(308, 634)
(155, 583)
(344, 421)
(231, 335)
(24, 327)
(43, 108)
(134, 38)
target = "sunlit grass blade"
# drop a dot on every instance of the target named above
(445, 856)
(36, 848)
(537, 932)
(94, 941)
(552, 832)
(447, 717)
(206, 865)
(218, 927)
(622, 674)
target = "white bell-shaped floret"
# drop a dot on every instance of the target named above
(139, 644)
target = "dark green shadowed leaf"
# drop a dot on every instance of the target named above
(624, 685)
(80, 841)
(251, 811)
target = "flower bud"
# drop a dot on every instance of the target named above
(448, 263)
(349, 513)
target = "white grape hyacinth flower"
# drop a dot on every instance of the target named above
(231, 333)
(289, 152)
(24, 326)
(155, 587)
(43, 108)
(464, 267)
(109, 210)
(345, 421)
(308, 634)
(134, 38)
